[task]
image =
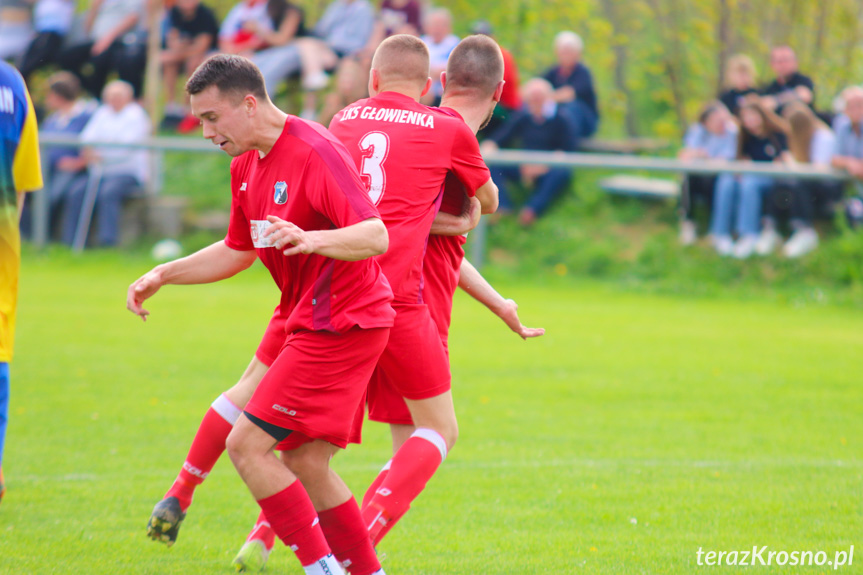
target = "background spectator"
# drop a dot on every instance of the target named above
(15, 28)
(400, 17)
(573, 83)
(739, 82)
(240, 30)
(114, 42)
(52, 20)
(440, 41)
(789, 84)
(510, 99)
(281, 58)
(542, 126)
(68, 115)
(713, 137)
(848, 128)
(192, 34)
(343, 30)
(738, 198)
(123, 170)
(811, 142)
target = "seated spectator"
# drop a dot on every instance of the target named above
(399, 17)
(713, 137)
(542, 126)
(848, 156)
(281, 57)
(120, 171)
(573, 83)
(343, 30)
(789, 84)
(440, 41)
(192, 34)
(240, 30)
(739, 82)
(810, 142)
(68, 115)
(115, 42)
(510, 99)
(16, 28)
(52, 20)
(738, 198)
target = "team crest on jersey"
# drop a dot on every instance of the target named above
(280, 195)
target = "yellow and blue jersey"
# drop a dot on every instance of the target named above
(20, 171)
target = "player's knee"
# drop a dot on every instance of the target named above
(308, 466)
(235, 446)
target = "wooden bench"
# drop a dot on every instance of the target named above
(654, 188)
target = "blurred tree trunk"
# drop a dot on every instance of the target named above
(611, 9)
(673, 62)
(723, 35)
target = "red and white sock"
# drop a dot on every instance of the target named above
(412, 467)
(207, 447)
(370, 492)
(263, 532)
(349, 539)
(294, 520)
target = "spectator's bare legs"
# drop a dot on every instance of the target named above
(171, 62)
(315, 57)
(351, 85)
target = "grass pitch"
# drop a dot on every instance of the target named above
(639, 429)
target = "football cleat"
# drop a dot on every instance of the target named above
(252, 556)
(165, 521)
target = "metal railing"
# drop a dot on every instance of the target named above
(500, 157)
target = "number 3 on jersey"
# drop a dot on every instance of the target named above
(375, 146)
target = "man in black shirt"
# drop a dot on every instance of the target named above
(192, 34)
(573, 83)
(789, 84)
(543, 126)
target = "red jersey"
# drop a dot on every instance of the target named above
(404, 151)
(309, 179)
(510, 98)
(443, 261)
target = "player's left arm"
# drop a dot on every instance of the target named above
(472, 282)
(351, 243)
(445, 224)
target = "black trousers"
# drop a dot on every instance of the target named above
(803, 200)
(129, 60)
(41, 52)
(696, 189)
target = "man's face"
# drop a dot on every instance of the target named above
(854, 108)
(187, 7)
(783, 61)
(226, 122)
(116, 97)
(567, 56)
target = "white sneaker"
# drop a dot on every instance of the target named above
(315, 82)
(767, 242)
(688, 234)
(724, 245)
(800, 243)
(745, 246)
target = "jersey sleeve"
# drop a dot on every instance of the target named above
(239, 236)
(336, 191)
(27, 166)
(467, 162)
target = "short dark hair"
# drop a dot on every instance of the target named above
(402, 57)
(233, 75)
(475, 64)
(66, 85)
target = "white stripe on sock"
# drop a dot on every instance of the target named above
(224, 407)
(434, 438)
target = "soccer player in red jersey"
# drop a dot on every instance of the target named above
(297, 204)
(475, 68)
(404, 151)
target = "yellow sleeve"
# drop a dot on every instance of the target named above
(27, 166)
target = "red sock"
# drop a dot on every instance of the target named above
(386, 529)
(412, 467)
(349, 539)
(262, 531)
(370, 492)
(292, 517)
(207, 447)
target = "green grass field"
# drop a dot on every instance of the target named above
(640, 428)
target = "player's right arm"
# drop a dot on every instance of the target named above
(487, 194)
(211, 264)
(472, 282)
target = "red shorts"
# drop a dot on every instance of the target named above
(441, 266)
(414, 365)
(317, 384)
(273, 340)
